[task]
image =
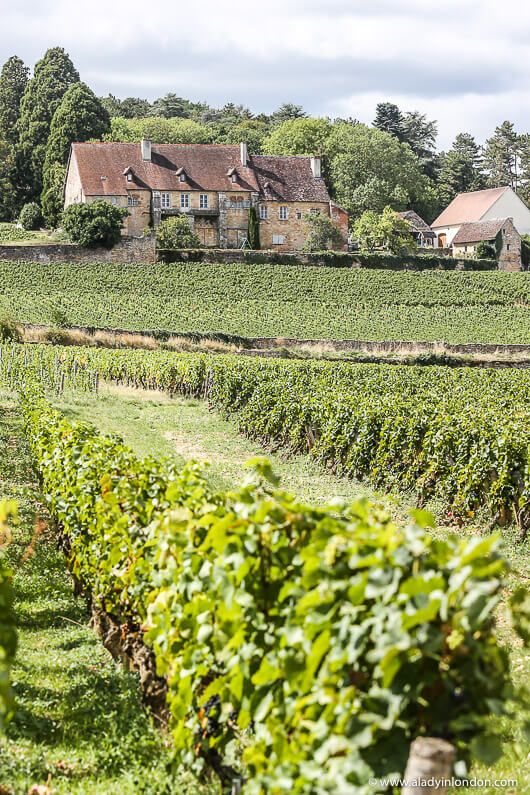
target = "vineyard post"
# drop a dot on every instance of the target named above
(431, 760)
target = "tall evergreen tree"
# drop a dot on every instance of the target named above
(389, 119)
(80, 117)
(461, 170)
(53, 74)
(420, 134)
(501, 156)
(286, 112)
(13, 81)
(7, 205)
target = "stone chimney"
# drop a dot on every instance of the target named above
(244, 153)
(316, 167)
(146, 149)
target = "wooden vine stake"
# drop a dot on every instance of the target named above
(430, 765)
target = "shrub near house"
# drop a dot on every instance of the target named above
(96, 224)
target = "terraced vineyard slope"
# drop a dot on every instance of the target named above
(273, 301)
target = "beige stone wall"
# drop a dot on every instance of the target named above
(137, 249)
(293, 230)
(213, 198)
(73, 191)
(510, 257)
(140, 215)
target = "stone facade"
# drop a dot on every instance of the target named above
(129, 250)
(510, 255)
(214, 186)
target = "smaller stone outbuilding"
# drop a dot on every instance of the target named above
(420, 230)
(500, 232)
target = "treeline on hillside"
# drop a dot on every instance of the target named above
(393, 163)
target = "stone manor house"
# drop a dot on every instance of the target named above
(213, 185)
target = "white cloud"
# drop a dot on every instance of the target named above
(463, 62)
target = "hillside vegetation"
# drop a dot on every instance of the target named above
(273, 301)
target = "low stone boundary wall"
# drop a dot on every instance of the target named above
(329, 259)
(128, 250)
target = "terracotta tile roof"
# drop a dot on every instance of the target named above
(288, 179)
(481, 230)
(417, 224)
(206, 166)
(468, 207)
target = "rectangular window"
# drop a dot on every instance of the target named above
(277, 240)
(132, 201)
(283, 213)
(114, 200)
(165, 201)
(263, 212)
(203, 201)
(184, 201)
(299, 214)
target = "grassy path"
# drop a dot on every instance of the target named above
(79, 723)
(154, 424)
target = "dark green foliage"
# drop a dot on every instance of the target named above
(333, 259)
(485, 250)
(175, 232)
(79, 117)
(9, 330)
(53, 194)
(53, 74)
(525, 251)
(501, 156)
(389, 119)
(286, 112)
(461, 169)
(253, 229)
(7, 190)
(30, 217)
(95, 224)
(412, 128)
(128, 108)
(13, 81)
(499, 243)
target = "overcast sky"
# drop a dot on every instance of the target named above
(465, 63)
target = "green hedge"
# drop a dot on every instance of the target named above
(8, 637)
(333, 259)
(317, 642)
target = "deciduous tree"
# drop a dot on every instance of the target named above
(384, 230)
(298, 137)
(370, 169)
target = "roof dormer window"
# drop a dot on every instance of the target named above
(128, 173)
(232, 173)
(181, 174)
(129, 177)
